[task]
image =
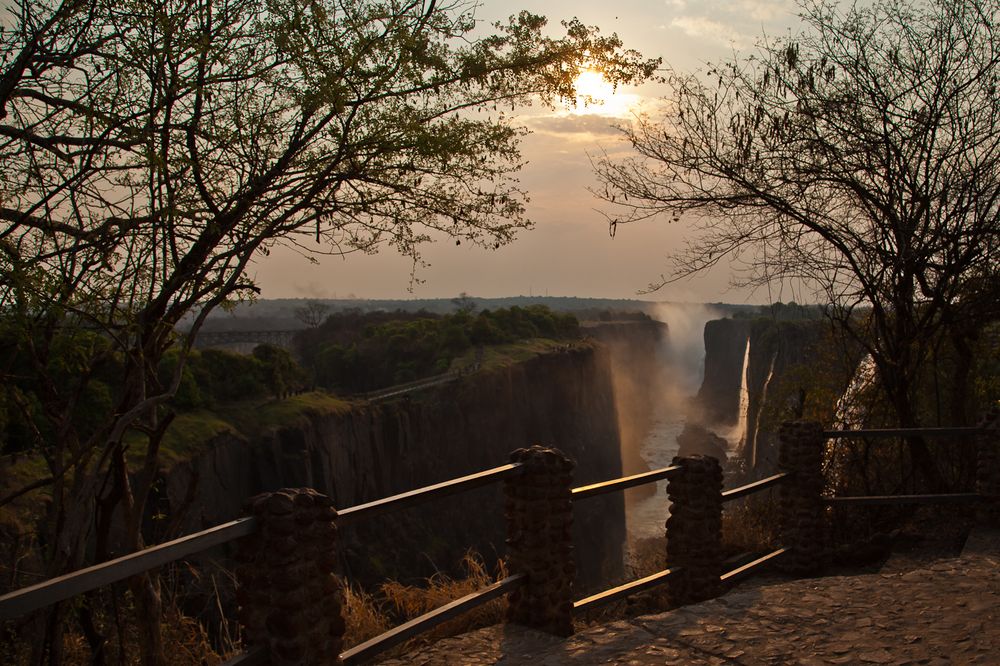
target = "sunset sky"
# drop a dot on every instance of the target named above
(569, 252)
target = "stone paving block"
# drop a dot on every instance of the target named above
(948, 614)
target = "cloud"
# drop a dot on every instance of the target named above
(705, 28)
(764, 10)
(591, 125)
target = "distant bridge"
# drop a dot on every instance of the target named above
(207, 339)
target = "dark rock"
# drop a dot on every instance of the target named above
(698, 440)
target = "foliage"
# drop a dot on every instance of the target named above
(356, 353)
(858, 156)
(151, 151)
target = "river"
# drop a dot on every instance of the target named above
(647, 517)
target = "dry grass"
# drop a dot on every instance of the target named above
(185, 640)
(368, 615)
(750, 525)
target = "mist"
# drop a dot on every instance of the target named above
(683, 357)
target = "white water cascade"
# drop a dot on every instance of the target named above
(850, 412)
(760, 409)
(738, 434)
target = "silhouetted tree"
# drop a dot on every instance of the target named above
(151, 150)
(312, 314)
(860, 157)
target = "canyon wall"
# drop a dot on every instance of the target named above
(791, 366)
(365, 452)
(718, 399)
(637, 349)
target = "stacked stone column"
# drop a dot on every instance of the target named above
(539, 514)
(988, 467)
(290, 600)
(802, 513)
(694, 530)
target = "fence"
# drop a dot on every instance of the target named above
(291, 600)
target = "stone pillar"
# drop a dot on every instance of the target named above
(539, 513)
(802, 512)
(694, 530)
(988, 467)
(290, 600)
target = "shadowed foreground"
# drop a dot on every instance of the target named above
(944, 613)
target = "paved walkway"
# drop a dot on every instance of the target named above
(945, 613)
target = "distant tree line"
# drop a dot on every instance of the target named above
(791, 311)
(355, 351)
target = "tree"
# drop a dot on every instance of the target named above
(861, 157)
(152, 149)
(312, 314)
(464, 303)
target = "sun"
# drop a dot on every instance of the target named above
(591, 83)
(597, 96)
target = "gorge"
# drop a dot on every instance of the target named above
(615, 402)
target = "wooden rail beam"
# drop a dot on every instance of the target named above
(626, 590)
(622, 483)
(754, 487)
(952, 498)
(360, 653)
(27, 599)
(413, 497)
(747, 569)
(901, 432)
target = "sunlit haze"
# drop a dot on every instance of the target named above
(569, 252)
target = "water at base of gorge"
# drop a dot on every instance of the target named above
(647, 517)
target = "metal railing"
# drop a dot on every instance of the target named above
(654, 580)
(887, 433)
(26, 600)
(34, 597)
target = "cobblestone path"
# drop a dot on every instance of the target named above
(945, 613)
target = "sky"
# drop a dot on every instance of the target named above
(569, 252)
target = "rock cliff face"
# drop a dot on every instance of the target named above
(786, 360)
(562, 399)
(637, 348)
(718, 399)
(777, 380)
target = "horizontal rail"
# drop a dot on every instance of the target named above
(626, 590)
(594, 489)
(57, 589)
(750, 567)
(413, 497)
(427, 621)
(952, 498)
(256, 656)
(399, 389)
(754, 487)
(901, 432)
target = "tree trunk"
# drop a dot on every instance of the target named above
(960, 407)
(148, 609)
(898, 389)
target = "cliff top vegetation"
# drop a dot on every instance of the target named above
(356, 352)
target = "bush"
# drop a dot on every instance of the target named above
(358, 353)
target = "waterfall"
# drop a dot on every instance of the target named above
(760, 409)
(850, 413)
(738, 434)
